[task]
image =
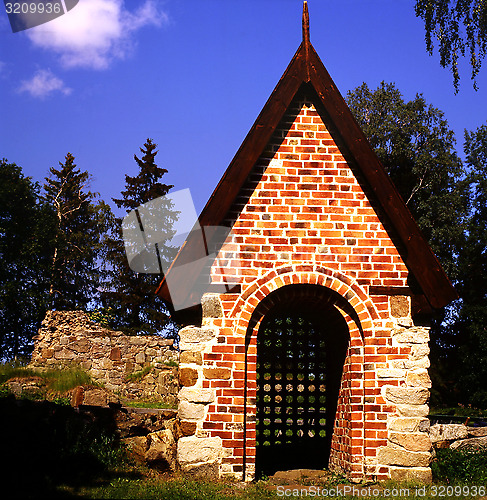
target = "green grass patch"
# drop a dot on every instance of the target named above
(11, 370)
(53, 380)
(171, 363)
(64, 380)
(132, 486)
(129, 486)
(135, 376)
(137, 403)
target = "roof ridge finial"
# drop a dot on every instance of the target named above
(305, 23)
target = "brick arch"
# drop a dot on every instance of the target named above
(364, 311)
(359, 313)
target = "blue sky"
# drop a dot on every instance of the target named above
(193, 75)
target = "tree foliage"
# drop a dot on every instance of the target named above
(468, 343)
(81, 223)
(26, 245)
(130, 296)
(417, 148)
(460, 27)
(62, 248)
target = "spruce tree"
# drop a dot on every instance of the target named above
(130, 296)
(81, 223)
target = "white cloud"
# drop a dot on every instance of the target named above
(95, 32)
(44, 83)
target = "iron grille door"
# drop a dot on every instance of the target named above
(291, 394)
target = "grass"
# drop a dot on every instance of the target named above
(454, 475)
(126, 487)
(171, 363)
(136, 376)
(137, 403)
(55, 381)
(11, 370)
(65, 380)
(136, 485)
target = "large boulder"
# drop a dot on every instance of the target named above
(416, 474)
(161, 450)
(388, 455)
(92, 396)
(192, 338)
(413, 410)
(198, 455)
(414, 335)
(447, 432)
(197, 395)
(470, 444)
(477, 431)
(412, 441)
(407, 395)
(191, 411)
(409, 424)
(136, 446)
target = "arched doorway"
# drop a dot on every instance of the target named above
(302, 342)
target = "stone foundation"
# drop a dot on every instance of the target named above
(198, 453)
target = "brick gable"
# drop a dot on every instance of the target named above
(303, 204)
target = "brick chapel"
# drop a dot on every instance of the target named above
(317, 354)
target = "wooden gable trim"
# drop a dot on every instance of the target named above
(306, 67)
(419, 258)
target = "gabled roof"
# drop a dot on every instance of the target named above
(307, 68)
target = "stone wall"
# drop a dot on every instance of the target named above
(69, 338)
(458, 437)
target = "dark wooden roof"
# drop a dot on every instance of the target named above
(306, 68)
